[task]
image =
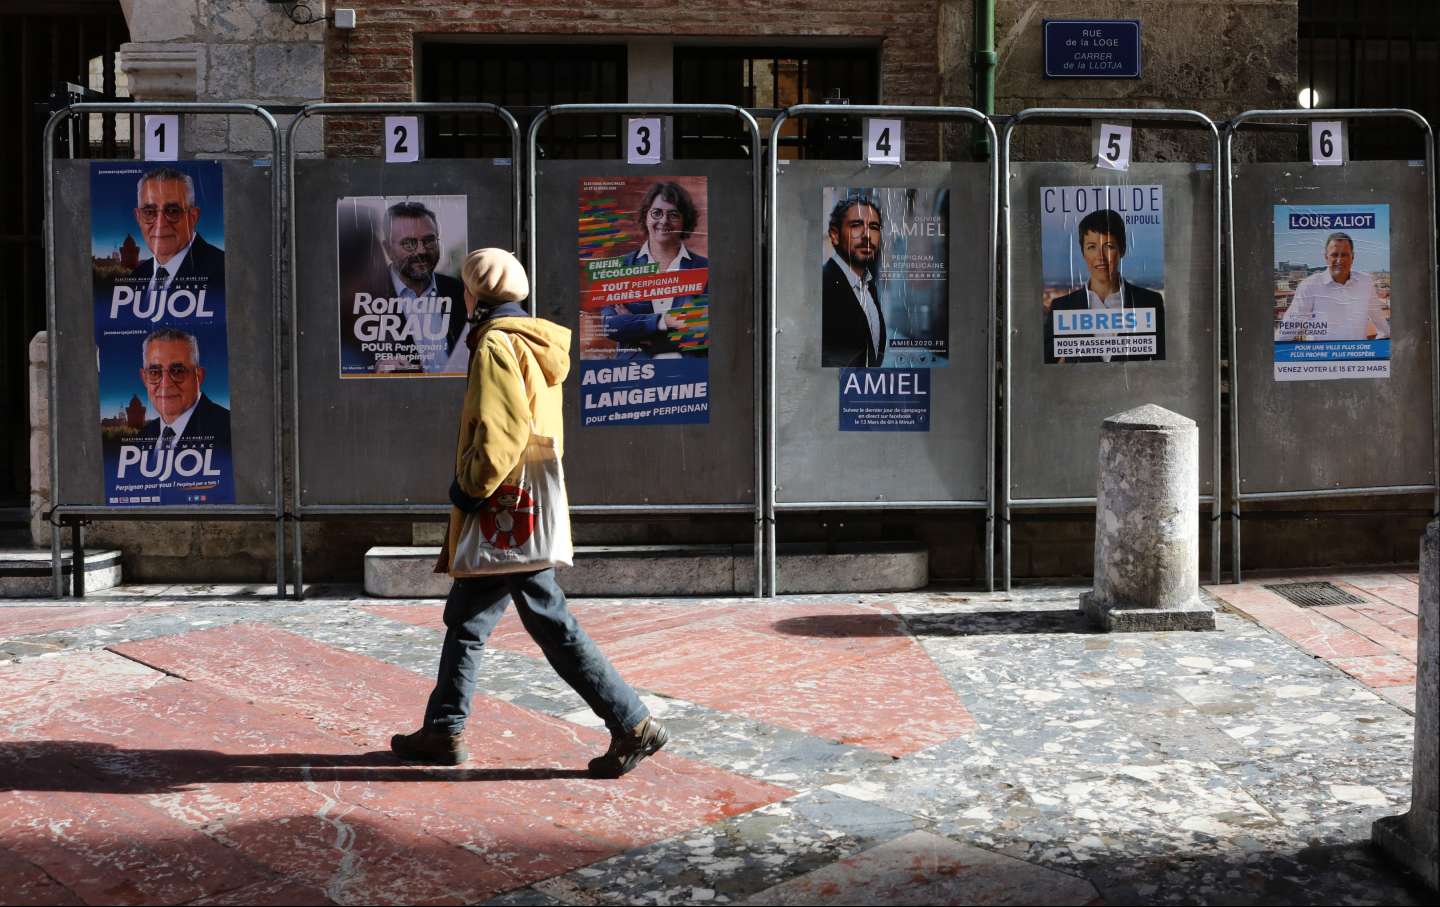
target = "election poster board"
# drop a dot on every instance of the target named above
(1103, 264)
(644, 300)
(885, 313)
(158, 264)
(1332, 292)
(402, 305)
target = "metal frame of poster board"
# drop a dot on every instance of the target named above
(1253, 442)
(299, 509)
(987, 504)
(532, 226)
(1074, 116)
(76, 515)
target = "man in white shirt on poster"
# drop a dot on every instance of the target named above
(1338, 303)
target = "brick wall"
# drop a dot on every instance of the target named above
(376, 62)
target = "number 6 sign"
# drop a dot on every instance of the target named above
(1327, 143)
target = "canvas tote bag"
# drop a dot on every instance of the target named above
(525, 524)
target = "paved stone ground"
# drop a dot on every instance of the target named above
(207, 745)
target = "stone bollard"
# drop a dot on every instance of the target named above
(1414, 838)
(1147, 525)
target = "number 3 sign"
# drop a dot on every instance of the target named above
(643, 145)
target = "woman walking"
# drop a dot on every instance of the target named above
(509, 527)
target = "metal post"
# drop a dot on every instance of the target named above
(772, 270)
(77, 558)
(1236, 495)
(364, 109)
(1072, 116)
(761, 542)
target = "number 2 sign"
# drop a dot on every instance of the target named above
(402, 140)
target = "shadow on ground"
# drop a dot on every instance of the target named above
(972, 623)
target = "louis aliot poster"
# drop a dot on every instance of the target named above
(402, 306)
(158, 262)
(644, 301)
(1332, 292)
(1103, 261)
(884, 307)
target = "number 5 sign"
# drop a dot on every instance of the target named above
(643, 144)
(884, 141)
(402, 140)
(1114, 147)
(1327, 143)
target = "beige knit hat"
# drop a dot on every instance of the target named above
(494, 276)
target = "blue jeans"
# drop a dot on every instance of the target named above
(471, 612)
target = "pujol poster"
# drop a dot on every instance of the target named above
(1332, 292)
(402, 306)
(158, 262)
(1103, 263)
(644, 301)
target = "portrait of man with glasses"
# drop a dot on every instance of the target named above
(167, 215)
(173, 377)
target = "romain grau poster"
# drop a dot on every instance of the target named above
(1103, 264)
(1332, 292)
(884, 258)
(402, 306)
(644, 300)
(158, 260)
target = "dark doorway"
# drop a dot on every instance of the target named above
(1372, 53)
(66, 48)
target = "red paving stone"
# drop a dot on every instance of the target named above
(364, 701)
(1374, 641)
(26, 621)
(1378, 670)
(840, 671)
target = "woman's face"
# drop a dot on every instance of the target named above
(663, 222)
(1102, 256)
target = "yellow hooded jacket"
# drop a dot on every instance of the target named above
(508, 387)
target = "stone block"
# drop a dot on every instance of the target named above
(293, 70)
(249, 136)
(253, 20)
(847, 567)
(165, 539)
(309, 138)
(401, 572)
(26, 573)
(206, 133)
(255, 541)
(651, 570)
(163, 70)
(230, 73)
(163, 20)
(427, 534)
(1413, 839)
(1147, 533)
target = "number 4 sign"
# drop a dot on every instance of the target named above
(402, 140)
(1114, 147)
(1327, 143)
(884, 141)
(643, 144)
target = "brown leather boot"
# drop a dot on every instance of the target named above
(430, 746)
(626, 752)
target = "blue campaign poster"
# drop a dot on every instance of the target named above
(158, 261)
(884, 399)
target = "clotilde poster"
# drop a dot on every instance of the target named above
(1332, 292)
(644, 301)
(1103, 261)
(402, 306)
(158, 258)
(885, 278)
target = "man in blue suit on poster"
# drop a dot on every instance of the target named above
(667, 217)
(173, 377)
(167, 215)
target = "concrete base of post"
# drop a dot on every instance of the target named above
(1413, 840)
(1147, 525)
